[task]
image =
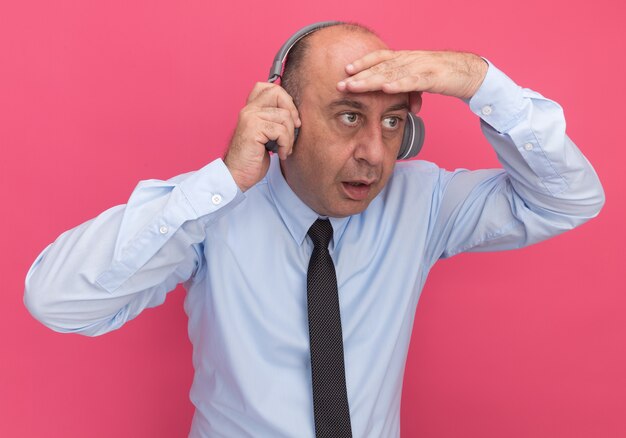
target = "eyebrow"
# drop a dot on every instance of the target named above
(399, 106)
(360, 106)
(347, 102)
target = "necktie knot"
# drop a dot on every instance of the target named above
(321, 232)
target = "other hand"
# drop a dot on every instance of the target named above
(413, 71)
(269, 114)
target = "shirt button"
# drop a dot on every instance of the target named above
(486, 110)
(528, 146)
(163, 229)
(216, 199)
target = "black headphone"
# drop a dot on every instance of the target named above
(413, 138)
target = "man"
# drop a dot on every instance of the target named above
(236, 232)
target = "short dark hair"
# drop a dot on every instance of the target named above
(292, 79)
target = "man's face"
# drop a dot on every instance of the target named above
(348, 143)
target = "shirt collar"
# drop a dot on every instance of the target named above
(297, 216)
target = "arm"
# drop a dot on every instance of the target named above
(99, 275)
(547, 186)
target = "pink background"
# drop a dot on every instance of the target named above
(95, 96)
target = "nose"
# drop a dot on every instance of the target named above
(370, 146)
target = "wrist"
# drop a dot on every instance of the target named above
(477, 69)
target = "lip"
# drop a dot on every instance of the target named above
(359, 192)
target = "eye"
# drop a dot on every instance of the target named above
(350, 119)
(391, 122)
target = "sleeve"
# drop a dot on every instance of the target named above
(546, 185)
(99, 275)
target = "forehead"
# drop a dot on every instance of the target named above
(330, 50)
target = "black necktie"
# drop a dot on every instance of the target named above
(330, 399)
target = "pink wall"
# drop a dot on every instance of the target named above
(95, 96)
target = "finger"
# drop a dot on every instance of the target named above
(402, 85)
(258, 89)
(285, 144)
(415, 102)
(370, 81)
(272, 95)
(258, 124)
(369, 60)
(283, 117)
(265, 124)
(278, 133)
(285, 101)
(273, 114)
(375, 78)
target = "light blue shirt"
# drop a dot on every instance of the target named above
(243, 259)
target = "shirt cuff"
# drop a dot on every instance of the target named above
(499, 101)
(201, 195)
(209, 188)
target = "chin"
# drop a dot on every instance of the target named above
(349, 208)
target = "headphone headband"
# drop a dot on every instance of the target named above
(279, 59)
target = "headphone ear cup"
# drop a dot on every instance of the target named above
(413, 138)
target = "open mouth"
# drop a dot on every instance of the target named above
(356, 190)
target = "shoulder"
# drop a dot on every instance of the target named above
(413, 184)
(424, 173)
